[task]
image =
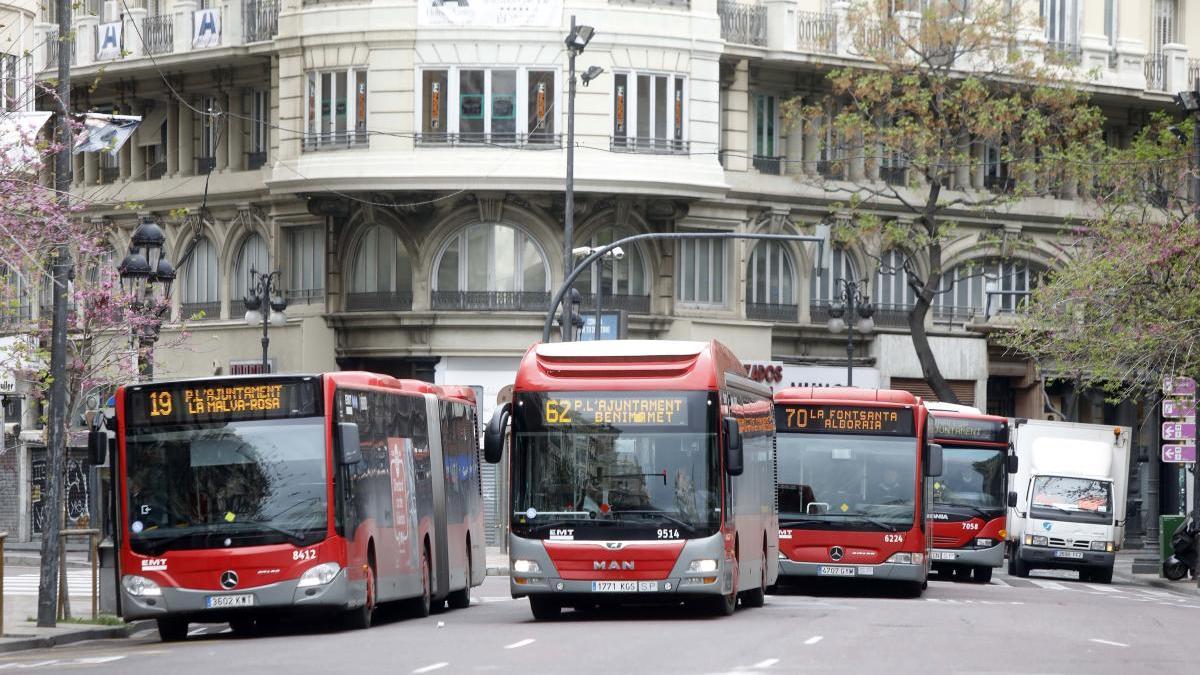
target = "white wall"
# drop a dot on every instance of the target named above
(958, 359)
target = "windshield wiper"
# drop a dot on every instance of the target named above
(867, 519)
(792, 522)
(296, 538)
(974, 509)
(659, 514)
(568, 523)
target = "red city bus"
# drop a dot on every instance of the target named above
(853, 484)
(969, 498)
(248, 496)
(639, 471)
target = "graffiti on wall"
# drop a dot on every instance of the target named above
(76, 487)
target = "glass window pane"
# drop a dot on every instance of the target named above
(718, 272)
(504, 105)
(447, 273)
(403, 268)
(479, 259)
(679, 111)
(661, 100)
(312, 104)
(470, 105)
(326, 104)
(620, 96)
(433, 103)
(360, 106)
(384, 253)
(703, 270)
(535, 268)
(340, 102)
(637, 271)
(504, 257)
(251, 256)
(541, 106)
(643, 106)
(687, 274)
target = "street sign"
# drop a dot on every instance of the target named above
(1176, 386)
(612, 326)
(1179, 431)
(1179, 453)
(1177, 408)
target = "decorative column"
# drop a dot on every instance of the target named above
(233, 133)
(222, 149)
(173, 109)
(187, 141)
(184, 16)
(134, 19)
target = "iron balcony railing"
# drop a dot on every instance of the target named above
(211, 310)
(335, 140)
(659, 146)
(156, 170)
(743, 22)
(255, 160)
(205, 165)
(951, 314)
(633, 304)
(816, 32)
(52, 44)
(1155, 68)
(767, 311)
(891, 315)
(513, 140)
(397, 301)
(770, 165)
(307, 295)
(158, 34)
(1193, 72)
(261, 19)
(109, 174)
(491, 300)
(892, 175)
(1064, 53)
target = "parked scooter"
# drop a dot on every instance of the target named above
(1183, 541)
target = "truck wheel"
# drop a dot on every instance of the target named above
(172, 629)
(544, 609)
(983, 575)
(1022, 567)
(1102, 575)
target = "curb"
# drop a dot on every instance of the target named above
(34, 560)
(1189, 589)
(497, 571)
(98, 633)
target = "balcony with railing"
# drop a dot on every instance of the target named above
(490, 300)
(743, 22)
(816, 32)
(633, 304)
(773, 312)
(396, 301)
(653, 146)
(1155, 68)
(260, 19)
(158, 34)
(307, 296)
(256, 160)
(891, 315)
(768, 165)
(193, 310)
(1064, 53)
(334, 140)
(52, 45)
(506, 139)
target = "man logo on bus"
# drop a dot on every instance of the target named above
(612, 565)
(836, 553)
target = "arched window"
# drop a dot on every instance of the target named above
(381, 276)
(825, 288)
(491, 266)
(770, 283)
(201, 278)
(15, 302)
(623, 281)
(891, 291)
(251, 256)
(986, 288)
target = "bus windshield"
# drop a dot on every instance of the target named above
(848, 481)
(624, 464)
(971, 478)
(244, 483)
(1073, 499)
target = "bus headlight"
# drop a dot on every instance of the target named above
(704, 565)
(901, 558)
(985, 543)
(319, 575)
(526, 566)
(140, 587)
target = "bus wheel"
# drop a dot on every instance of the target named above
(758, 596)
(361, 618)
(244, 626)
(423, 604)
(913, 589)
(462, 599)
(983, 575)
(172, 629)
(544, 609)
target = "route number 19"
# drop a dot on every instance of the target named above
(160, 403)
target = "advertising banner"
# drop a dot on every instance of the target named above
(108, 41)
(489, 13)
(206, 28)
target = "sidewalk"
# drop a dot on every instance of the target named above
(19, 633)
(497, 562)
(1123, 569)
(29, 554)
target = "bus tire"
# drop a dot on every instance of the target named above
(361, 618)
(462, 599)
(244, 626)
(544, 609)
(172, 629)
(758, 597)
(983, 575)
(724, 605)
(913, 589)
(423, 604)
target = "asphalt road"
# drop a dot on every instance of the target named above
(1043, 624)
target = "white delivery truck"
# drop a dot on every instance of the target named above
(1067, 505)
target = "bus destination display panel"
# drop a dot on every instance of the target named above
(188, 403)
(844, 419)
(629, 409)
(946, 428)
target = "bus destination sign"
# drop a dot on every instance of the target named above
(844, 419)
(185, 402)
(946, 428)
(622, 410)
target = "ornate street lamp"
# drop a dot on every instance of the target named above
(577, 40)
(850, 303)
(265, 305)
(143, 272)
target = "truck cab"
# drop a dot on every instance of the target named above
(1067, 507)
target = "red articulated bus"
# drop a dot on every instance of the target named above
(640, 471)
(248, 496)
(969, 504)
(854, 488)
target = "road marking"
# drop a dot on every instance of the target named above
(1108, 642)
(92, 660)
(197, 631)
(1106, 589)
(1000, 582)
(522, 643)
(764, 664)
(432, 667)
(1048, 585)
(814, 639)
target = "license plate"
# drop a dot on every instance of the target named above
(647, 586)
(242, 600)
(614, 587)
(943, 555)
(1075, 555)
(831, 571)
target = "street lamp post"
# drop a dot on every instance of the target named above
(617, 253)
(144, 270)
(851, 302)
(577, 40)
(265, 304)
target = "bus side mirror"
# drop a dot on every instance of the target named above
(734, 457)
(98, 446)
(1012, 463)
(1012, 499)
(493, 437)
(933, 460)
(349, 441)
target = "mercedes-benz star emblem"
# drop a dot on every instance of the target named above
(229, 579)
(836, 553)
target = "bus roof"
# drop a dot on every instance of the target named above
(346, 378)
(848, 394)
(627, 365)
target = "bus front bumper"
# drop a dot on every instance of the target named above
(623, 591)
(968, 557)
(336, 594)
(1046, 557)
(880, 572)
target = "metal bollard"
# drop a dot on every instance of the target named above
(93, 536)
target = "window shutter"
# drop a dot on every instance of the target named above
(963, 389)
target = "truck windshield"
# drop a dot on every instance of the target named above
(226, 484)
(1072, 499)
(972, 478)
(612, 466)
(846, 482)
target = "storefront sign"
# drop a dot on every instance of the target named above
(489, 13)
(778, 375)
